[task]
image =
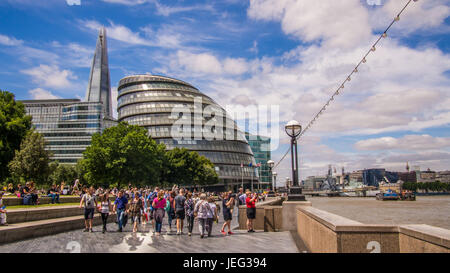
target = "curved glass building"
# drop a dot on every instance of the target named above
(179, 115)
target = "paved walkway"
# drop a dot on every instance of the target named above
(144, 241)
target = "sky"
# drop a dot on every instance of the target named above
(292, 54)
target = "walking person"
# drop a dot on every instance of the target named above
(171, 212)
(135, 209)
(150, 199)
(189, 211)
(179, 211)
(159, 203)
(2, 211)
(120, 206)
(105, 208)
(89, 202)
(251, 210)
(201, 211)
(227, 204)
(212, 215)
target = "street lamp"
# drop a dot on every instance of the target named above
(271, 163)
(274, 174)
(293, 129)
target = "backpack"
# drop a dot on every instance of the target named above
(167, 208)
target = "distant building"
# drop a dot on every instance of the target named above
(68, 124)
(443, 176)
(407, 176)
(313, 183)
(427, 176)
(261, 151)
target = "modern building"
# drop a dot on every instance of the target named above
(68, 124)
(176, 113)
(260, 146)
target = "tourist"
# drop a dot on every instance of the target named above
(171, 212)
(201, 211)
(189, 212)
(212, 215)
(120, 206)
(105, 208)
(54, 194)
(251, 210)
(150, 199)
(33, 193)
(227, 204)
(159, 203)
(179, 211)
(2, 211)
(89, 202)
(10, 189)
(145, 207)
(135, 209)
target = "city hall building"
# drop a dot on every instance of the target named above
(152, 101)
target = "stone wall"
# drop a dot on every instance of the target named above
(325, 232)
(268, 215)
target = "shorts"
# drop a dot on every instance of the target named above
(88, 214)
(135, 218)
(251, 213)
(180, 214)
(227, 216)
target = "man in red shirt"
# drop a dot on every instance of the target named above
(250, 201)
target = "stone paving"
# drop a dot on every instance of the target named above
(145, 242)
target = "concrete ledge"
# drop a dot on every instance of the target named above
(37, 214)
(289, 214)
(14, 201)
(322, 231)
(22, 231)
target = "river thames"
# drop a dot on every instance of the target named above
(430, 210)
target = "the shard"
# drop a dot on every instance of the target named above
(99, 86)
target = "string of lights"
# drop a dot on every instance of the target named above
(348, 78)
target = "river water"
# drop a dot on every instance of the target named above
(430, 210)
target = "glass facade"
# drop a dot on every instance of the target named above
(67, 125)
(149, 101)
(261, 151)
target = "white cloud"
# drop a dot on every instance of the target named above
(117, 32)
(50, 76)
(73, 2)
(202, 63)
(162, 9)
(407, 142)
(337, 23)
(41, 94)
(9, 41)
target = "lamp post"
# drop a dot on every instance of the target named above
(271, 163)
(293, 129)
(274, 181)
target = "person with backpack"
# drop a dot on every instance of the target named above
(89, 201)
(189, 212)
(179, 211)
(105, 208)
(211, 215)
(158, 204)
(227, 205)
(120, 206)
(135, 210)
(201, 212)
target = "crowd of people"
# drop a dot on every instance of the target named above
(152, 206)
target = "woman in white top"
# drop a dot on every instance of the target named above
(105, 207)
(211, 215)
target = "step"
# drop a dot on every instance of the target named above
(27, 230)
(42, 213)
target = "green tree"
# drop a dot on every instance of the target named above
(186, 167)
(123, 154)
(32, 161)
(63, 172)
(14, 125)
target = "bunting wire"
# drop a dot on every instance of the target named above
(347, 79)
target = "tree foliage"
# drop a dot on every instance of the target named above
(32, 161)
(123, 154)
(14, 124)
(62, 172)
(186, 167)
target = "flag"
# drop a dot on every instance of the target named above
(258, 165)
(242, 165)
(250, 164)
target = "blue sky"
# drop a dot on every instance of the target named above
(290, 53)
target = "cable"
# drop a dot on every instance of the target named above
(347, 79)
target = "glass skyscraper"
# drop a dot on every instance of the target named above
(68, 124)
(261, 151)
(152, 102)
